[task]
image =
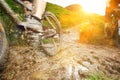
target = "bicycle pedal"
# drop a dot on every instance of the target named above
(49, 33)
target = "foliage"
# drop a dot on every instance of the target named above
(62, 14)
(16, 8)
(67, 17)
(57, 10)
(12, 32)
(75, 8)
(98, 76)
(92, 29)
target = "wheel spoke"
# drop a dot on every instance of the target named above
(52, 43)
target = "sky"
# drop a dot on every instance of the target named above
(93, 6)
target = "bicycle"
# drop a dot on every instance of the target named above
(49, 39)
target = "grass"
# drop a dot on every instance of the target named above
(98, 76)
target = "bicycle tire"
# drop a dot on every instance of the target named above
(3, 47)
(51, 43)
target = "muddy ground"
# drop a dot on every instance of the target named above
(74, 61)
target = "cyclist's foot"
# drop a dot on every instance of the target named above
(32, 24)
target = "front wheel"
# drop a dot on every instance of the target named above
(3, 47)
(51, 40)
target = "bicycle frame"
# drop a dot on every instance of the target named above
(21, 3)
(9, 11)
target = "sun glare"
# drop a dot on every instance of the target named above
(94, 6)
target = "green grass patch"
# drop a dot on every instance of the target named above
(98, 76)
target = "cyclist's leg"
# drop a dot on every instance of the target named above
(39, 8)
(31, 22)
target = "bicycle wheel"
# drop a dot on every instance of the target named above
(51, 39)
(3, 47)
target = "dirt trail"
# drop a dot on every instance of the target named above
(74, 61)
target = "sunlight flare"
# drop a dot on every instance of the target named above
(94, 6)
